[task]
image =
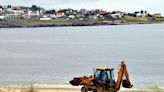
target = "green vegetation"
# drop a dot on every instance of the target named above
(76, 22)
(160, 19)
(138, 20)
(31, 88)
(130, 19)
(37, 22)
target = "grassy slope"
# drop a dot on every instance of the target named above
(160, 19)
(130, 19)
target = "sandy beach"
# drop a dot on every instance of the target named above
(69, 88)
(47, 89)
(5, 89)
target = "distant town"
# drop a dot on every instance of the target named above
(9, 12)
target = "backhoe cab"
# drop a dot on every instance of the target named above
(104, 77)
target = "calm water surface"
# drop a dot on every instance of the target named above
(57, 54)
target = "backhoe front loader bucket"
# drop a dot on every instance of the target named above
(75, 81)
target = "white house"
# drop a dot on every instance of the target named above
(12, 15)
(1, 9)
(142, 14)
(117, 15)
(34, 14)
(18, 12)
(2, 17)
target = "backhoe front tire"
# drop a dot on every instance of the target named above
(84, 89)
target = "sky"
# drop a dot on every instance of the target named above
(152, 6)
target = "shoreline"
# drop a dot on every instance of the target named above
(7, 25)
(67, 24)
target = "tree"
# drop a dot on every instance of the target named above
(142, 11)
(35, 8)
(50, 11)
(9, 6)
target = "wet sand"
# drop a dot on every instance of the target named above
(4, 89)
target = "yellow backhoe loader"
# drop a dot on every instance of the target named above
(103, 80)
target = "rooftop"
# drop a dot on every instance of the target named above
(104, 68)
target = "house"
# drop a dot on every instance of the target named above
(157, 15)
(97, 11)
(141, 13)
(12, 15)
(104, 14)
(60, 14)
(18, 11)
(8, 8)
(95, 14)
(49, 14)
(66, 13)
(70, 13)
(34, 14)
(117, 14)
(81, 14)
(2, 16)
(83, 11)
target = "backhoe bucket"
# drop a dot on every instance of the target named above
(126, 84)
(75, 81)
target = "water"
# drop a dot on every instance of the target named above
(57, 54)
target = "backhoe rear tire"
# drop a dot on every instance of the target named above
(84, 89)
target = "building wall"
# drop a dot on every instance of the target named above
(1, 9)
(157, 15)
(2, 17)
(12, 16)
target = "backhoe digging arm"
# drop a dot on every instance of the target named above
(123, 71)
